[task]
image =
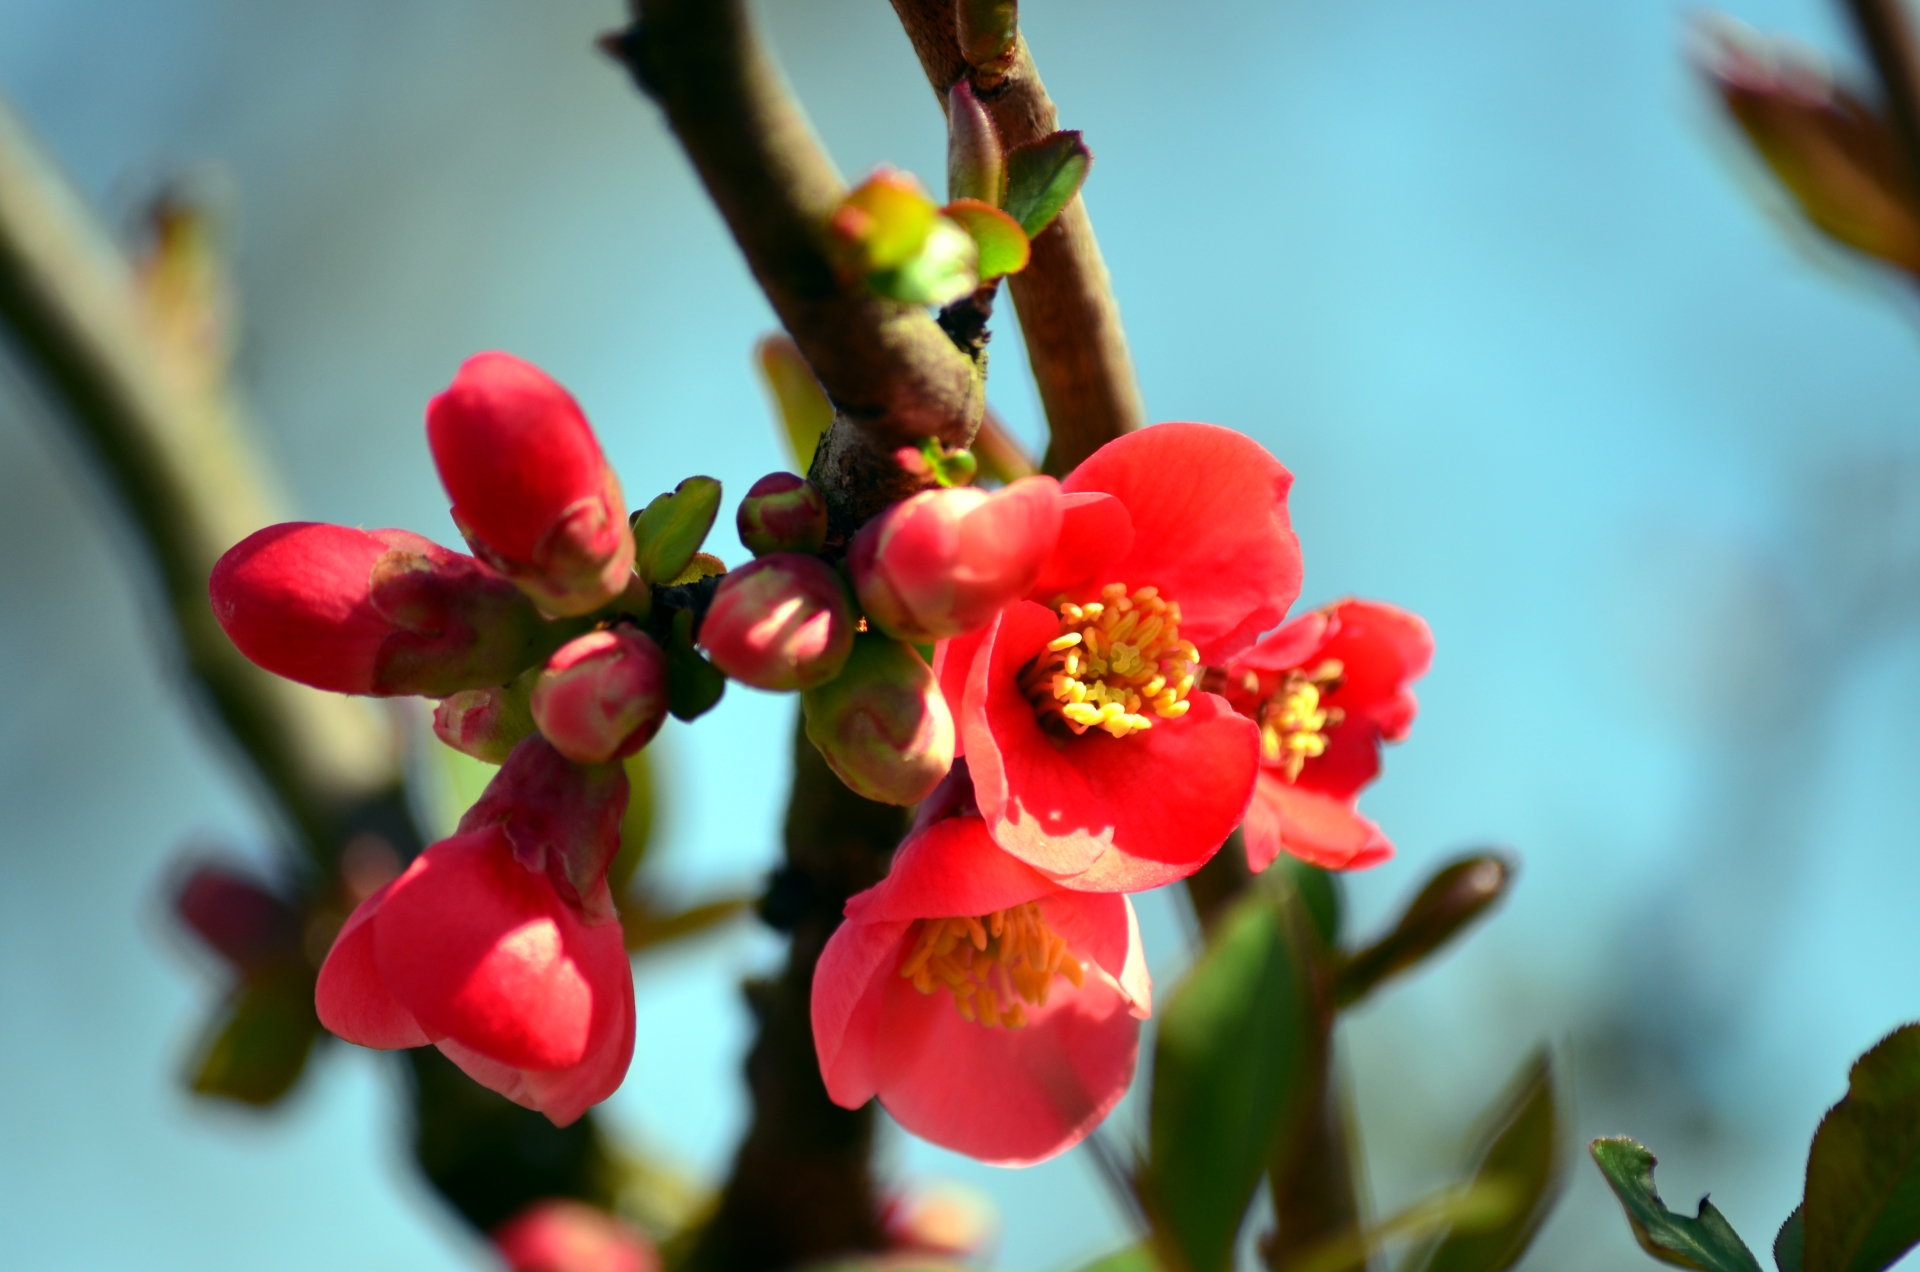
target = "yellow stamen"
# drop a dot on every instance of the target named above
(992, 965)
(1117, 664)
(1294, 721)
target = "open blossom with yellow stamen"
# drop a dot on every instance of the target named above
(1097, 756)
(1326, 690)
(990, 1010)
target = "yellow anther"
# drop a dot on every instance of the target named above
(1295, 720)
(1115, 660)
(990, 979)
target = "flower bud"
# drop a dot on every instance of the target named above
(239, 918)
(569, 1236)
(560, 818)
(603, 695)
(976, 164)
(782, 622)
(783, 513)
(882, 724)
(531, 490)
(486, 723)
(946, 561)
(371, 611)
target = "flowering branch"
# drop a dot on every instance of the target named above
(893, 376)
(181, 471)
(1068, 313)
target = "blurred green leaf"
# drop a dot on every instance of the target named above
(1478, 1207)
(1227, 1066)
(1454, 896)
(1003, 245)
(1522, 1147)
(258, 1048)
(1707, 1243)
(941, 272)
(646, 927)
(668, 531)
(636, 825)
(1863, 1173)
(1319, 894)
(798, 398)
(1789, 1246)
(883, 223)
(1043, 175)
(694, 685)
(1133, 1258)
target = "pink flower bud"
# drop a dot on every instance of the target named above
(882, 723)
(371, 611)
(782, 622)
(945, 562)
(239, 918)
(531, 491)
(603, 695)
(783, 513)
(486, 723)
(570, 1236)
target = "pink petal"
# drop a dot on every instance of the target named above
(350, 997)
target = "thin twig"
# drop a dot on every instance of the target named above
(182, 474)
(893, 376)
(1068, 314)
(1884, 27)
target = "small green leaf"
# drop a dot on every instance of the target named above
(1043, 176)
(798, 398)
(1789, 1245)
(259, 1048)
(694, 685)
(1133, 1258)
(1456, 895)
(941, 272)
(1706, 1243)
(1863, 1173)
(987, 30)
(1003, 245)
(1227, 1066)
(668, 531)
(645, 926)
(1523, 1148)
(1478, 1207)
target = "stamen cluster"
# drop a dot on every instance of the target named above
(1115, 659)
(992, 965)
(1293, 724)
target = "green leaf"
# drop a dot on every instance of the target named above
(1319, 894)
(1133, 1258)
(1227, 1066)
(1521, 1148)
(1863, 1173)
(1478, 1207)
(1043, 175)
(1456, 895)
(668, 531)
(644, 926)
(694, 685)
(941, 272)
(259, 1047)
(1707, 1243)
(1004, 247)
(1789, 1245)
(803, 407)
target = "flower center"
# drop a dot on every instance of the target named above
(1294, 722)
(1115, 660)
(992, 965)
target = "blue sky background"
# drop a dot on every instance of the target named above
(1549, 363)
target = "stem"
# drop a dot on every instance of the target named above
(180, 471)
(1068, 314)
(893, 376)
(1884, 28)
(802, 1184)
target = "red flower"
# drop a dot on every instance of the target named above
(371, 611)
(1326, 690)
(531, 490)
(570, 1236)
(991, 1011)
(1096, 756)
(500, 945)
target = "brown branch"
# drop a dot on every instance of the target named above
(893, 375)
(1068, 314)
(1888, 34)
(179, 467)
